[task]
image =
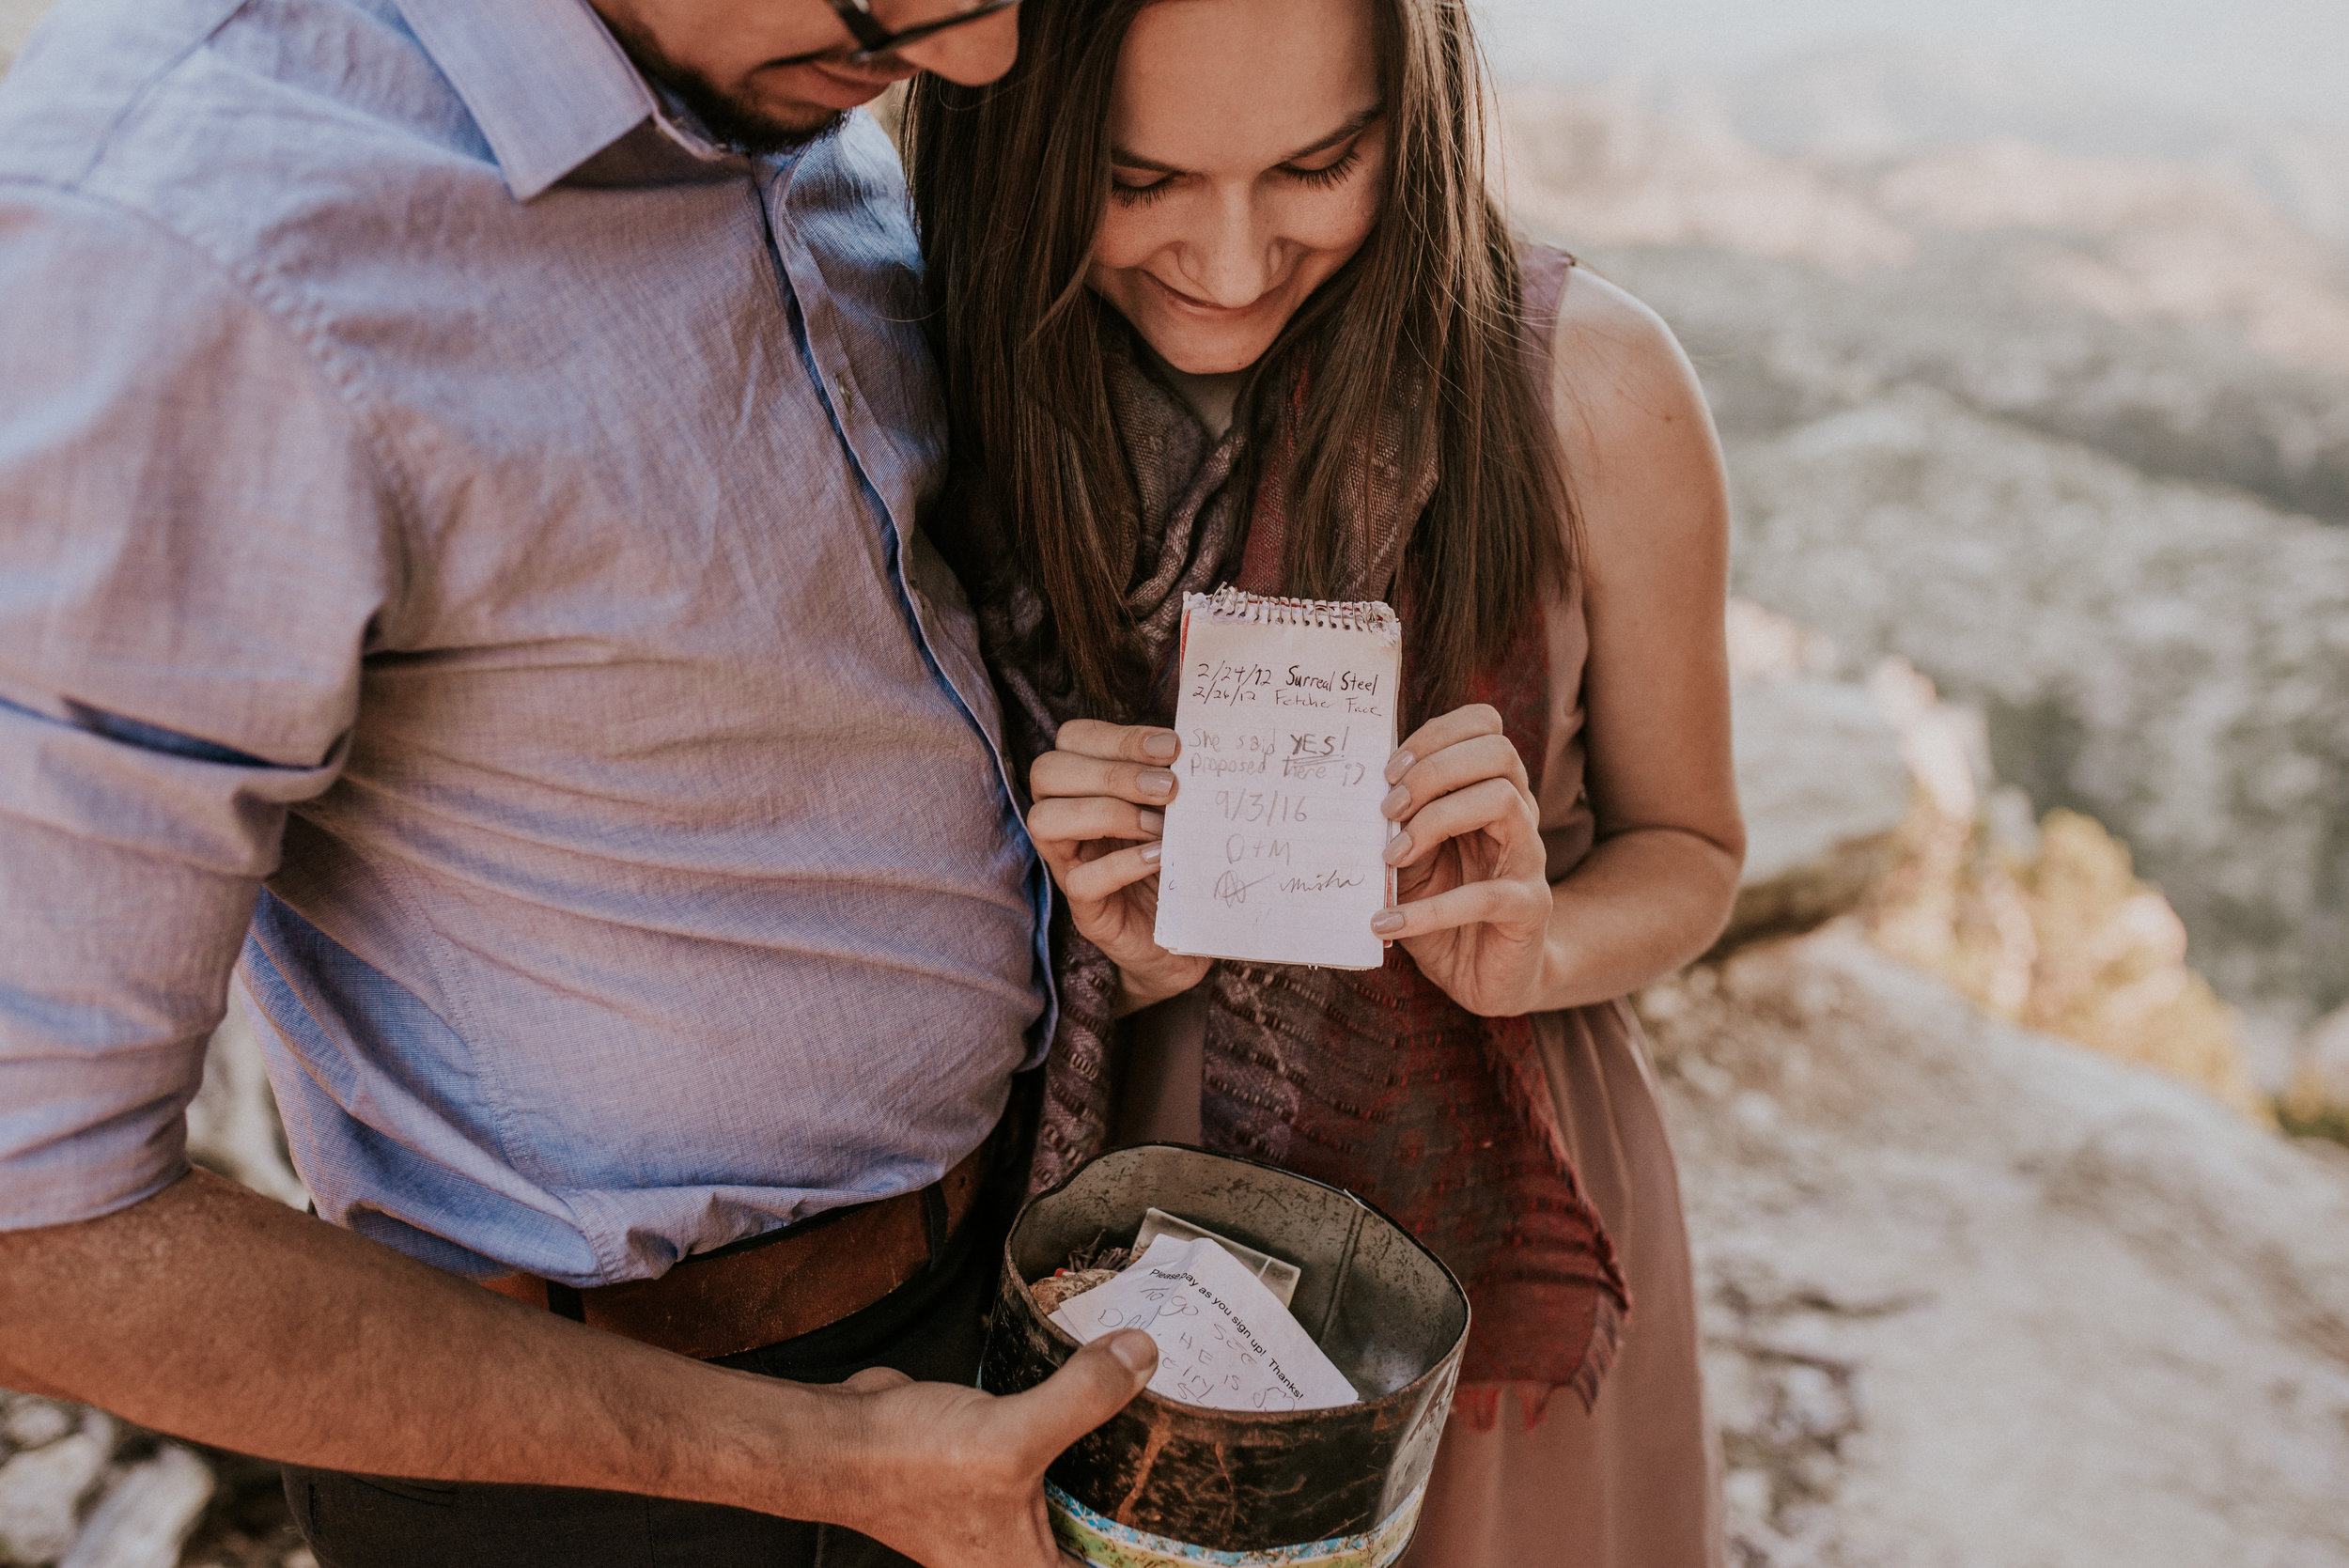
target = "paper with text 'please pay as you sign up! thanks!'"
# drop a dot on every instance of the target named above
(1224, 1341)
(1275, 845)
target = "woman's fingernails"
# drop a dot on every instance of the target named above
(1398, 849)
(1153, 823)
(1160, 746)
(1397, 799)
(1156, 781)
(1399, 764)
(1150, 853)
(1386, 921)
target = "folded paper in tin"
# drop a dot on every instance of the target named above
(1224, 1341)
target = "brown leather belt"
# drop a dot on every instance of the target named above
(777, 1287)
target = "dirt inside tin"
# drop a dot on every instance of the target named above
(1388, 1312)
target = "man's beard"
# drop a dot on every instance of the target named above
(733, 120)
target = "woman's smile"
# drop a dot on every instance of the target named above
(1207, 309)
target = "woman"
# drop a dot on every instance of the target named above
(1220, 296)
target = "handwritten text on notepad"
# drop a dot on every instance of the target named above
(1274, 840)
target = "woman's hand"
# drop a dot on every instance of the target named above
(1472, 887)
(1101, 799)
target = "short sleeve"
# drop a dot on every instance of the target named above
(194, 547)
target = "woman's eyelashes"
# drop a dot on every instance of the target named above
(1132, 194)
(1140, 195)
(1329, 174)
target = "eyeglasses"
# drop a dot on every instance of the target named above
(873, 39)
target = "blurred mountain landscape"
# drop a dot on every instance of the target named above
(2049, 394)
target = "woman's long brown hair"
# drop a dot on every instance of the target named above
(1009, 183)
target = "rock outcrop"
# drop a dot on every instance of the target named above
(2042, 923)
(1877, 797)
(1820, 776)
(2167, 660)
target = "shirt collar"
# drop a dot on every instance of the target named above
(545, 81)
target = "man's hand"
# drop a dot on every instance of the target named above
(956, 1476)
(217, 1315)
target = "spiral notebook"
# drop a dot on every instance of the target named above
(1274, 847)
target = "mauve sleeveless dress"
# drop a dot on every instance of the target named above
(1635, 1480)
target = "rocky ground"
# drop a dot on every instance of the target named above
(1974, 1295)
(79, 1489)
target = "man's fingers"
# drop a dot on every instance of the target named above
(1495, 805)
(1445, 729)
(1067, 773)
(1075, 818)
(1143, 743)
(1093, 1385)
(1496, 903)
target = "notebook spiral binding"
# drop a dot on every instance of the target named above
(1228, 603)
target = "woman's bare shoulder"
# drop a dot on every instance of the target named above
(1622, 387)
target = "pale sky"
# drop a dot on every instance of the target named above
(2228, 58)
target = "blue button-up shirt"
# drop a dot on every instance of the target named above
(457, 527)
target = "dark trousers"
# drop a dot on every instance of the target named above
(932, 1328)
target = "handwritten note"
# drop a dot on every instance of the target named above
(1274, 839)
(1223, 1341)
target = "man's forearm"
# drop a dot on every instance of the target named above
(215, 1314)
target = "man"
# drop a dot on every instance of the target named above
(458, 466)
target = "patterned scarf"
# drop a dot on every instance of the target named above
(1374, 1081)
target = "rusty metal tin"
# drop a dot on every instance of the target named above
(1163, 1482)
